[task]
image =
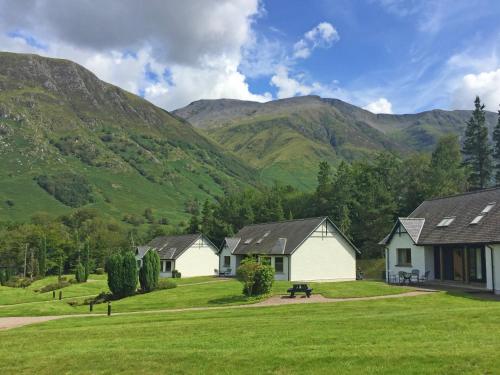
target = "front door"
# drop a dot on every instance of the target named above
(458, 264)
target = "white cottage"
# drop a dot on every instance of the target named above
(304, 249)
(453, 240)
(191, 255)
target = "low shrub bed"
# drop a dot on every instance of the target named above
(54, 286)
(166, 284)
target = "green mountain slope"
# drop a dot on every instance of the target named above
(68, 139)
(287, 138)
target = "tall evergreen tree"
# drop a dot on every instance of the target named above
(129, 273)
(446, 169)
(42, 257)
(476, 149)
(150, 271)
(496, 150)
(114, 268)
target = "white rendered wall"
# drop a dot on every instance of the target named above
(225, 252)
(325, 255)
(419, 255)
(201, 259)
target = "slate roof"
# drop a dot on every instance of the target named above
(279, 238)
(141, 251)
(463, 208)
(170, 247)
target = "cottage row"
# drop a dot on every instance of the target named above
(454, 240)
(305, 249)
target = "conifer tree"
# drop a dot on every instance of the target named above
(446, 168)
(42, 256)
(129, 273)
(496, 150)
(476, 149)
(150, 271)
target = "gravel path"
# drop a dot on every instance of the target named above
(13, 322)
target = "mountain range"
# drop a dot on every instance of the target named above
(68, 139)
(285, 139)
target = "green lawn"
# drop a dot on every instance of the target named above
(190, 292)
(431, 334)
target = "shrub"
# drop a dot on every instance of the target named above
(166, 284)
(3, 277)
(176, 274)
(54, 286)
(80, 273)
(150, 271)
(18, 282)
(99, 271)
(257, 278)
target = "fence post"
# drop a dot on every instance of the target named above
(91, 306)
(109, 308)
(60, 295)
(53, 294)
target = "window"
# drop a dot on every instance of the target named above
(248, 241)
(267, 233)
(265, 260)
(446, 221)
(227, 261)
(278, 264)
(477, 219)
(488, 208)
(404, 257)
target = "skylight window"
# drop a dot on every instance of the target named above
(446, 222)
(488, 208)
(259, 240)
(267, 233)
(248, 241)
(477, 219)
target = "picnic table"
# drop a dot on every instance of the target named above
(300, 288)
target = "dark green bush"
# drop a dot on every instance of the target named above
(54, 286)
(166, 284)
(18, 282)
(122, 274)
(176, 274)
(150, 271)
(114, 269)
(129, 274)
(99, 271)
(3, 277)
(257, 278)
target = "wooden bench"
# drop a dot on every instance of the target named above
(300, 288)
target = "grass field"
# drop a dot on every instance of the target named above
(190, 292)
(432, 334)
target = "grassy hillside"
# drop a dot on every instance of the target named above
(287, 138)
(68, 139)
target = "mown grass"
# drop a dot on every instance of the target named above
(432, 334)
(191, 292)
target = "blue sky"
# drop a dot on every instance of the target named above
(385, 55)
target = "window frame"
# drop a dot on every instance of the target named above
(399, 257)
(168, 266)
(282, 264)
(228, 264)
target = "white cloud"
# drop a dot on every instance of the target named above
(381, 105)
(200, 43)
(486, 85)
(322, 35)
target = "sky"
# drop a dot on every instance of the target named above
(387, 56)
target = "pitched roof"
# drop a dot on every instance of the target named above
(413, 227)
(277, 238)
(140, 251)
(463, 209)
(170, 247)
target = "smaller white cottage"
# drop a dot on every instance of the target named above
(190, 254)
(304, 249)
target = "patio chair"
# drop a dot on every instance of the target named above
(401, 277)
(415, 275)
(424, 278)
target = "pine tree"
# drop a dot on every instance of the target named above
(324, 179)
(114, 268)
(476, 150)
(496, 150)
(87, 260)
(446, 168)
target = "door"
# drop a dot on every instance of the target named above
(458, 265)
